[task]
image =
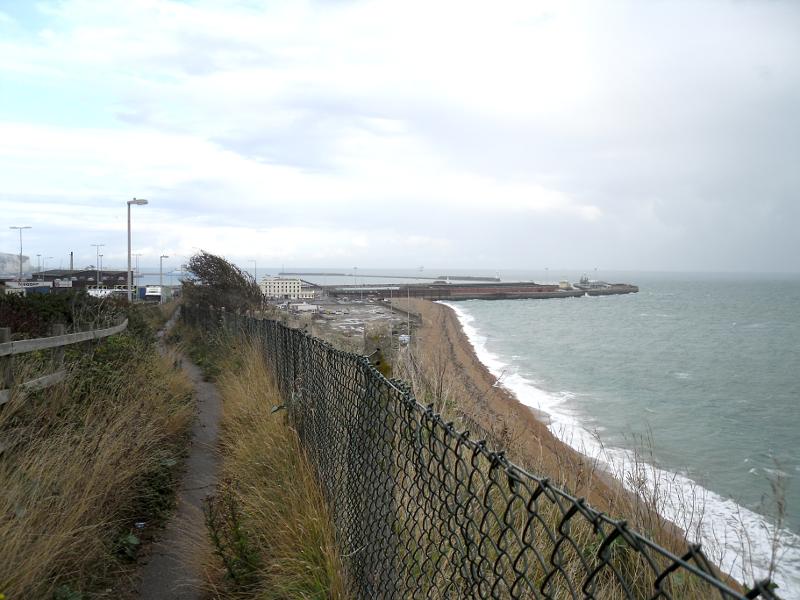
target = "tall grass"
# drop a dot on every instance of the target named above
(269, 522)
(82, 462)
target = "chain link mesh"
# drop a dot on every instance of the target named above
(423, 511)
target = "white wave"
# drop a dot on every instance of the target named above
(737, 538)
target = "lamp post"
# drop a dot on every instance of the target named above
(161, 277)
(255, 269)
(136, 267)
(20, 246)
(97, 263)
(137, 202)
(100, 267)
(39, 263)
(44, 263)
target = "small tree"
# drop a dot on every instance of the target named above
(217, 282)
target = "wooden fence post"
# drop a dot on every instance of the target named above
(58, 353)
(6, 362)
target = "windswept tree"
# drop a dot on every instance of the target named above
(217, 282)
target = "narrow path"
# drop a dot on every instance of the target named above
(174, 569)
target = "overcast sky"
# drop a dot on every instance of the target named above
(645, 135)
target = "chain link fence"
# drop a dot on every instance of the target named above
(423, 511)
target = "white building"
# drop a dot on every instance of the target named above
(278, 287)
(307, 292)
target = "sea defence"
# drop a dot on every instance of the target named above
(481, 291)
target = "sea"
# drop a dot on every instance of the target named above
(697, 377)
(691, 386)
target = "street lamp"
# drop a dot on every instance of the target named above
(136, 268)
(97, 263)
(255, 269)
(44, 263)
(20, 246)
(161, 277)
(137, 202)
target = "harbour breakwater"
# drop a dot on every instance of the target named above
(482, 291)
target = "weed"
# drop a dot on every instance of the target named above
(64, 592)
(82, 461)
(229, 537)
(127, 546)
(268, 521)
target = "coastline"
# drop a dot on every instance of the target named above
(586, 468)
(491, 410)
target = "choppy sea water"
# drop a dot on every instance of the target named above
(705, 370)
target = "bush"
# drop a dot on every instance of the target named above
(32, 316)
(217, 282)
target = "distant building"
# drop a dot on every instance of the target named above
(84, 278)
(591, 284)
(6, 289)
(25, 287)
(284, 289)
(307, 291)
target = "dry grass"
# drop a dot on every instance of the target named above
(83, 461)
(269, 520)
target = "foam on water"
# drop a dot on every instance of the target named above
(739, 539)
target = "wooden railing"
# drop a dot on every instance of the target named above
(8, 349)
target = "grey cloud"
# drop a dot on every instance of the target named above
(690, 147)
(307, 142)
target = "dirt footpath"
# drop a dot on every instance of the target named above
(174, 569)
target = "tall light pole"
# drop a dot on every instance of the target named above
(408, 312)
(161, 277)
(137, 202)
(39, 263)
(255, 269)
(44, 263)
(20, 227)
(97, 263)
(100, 266)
